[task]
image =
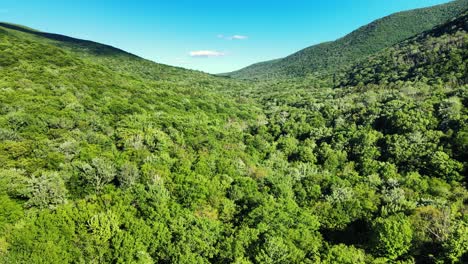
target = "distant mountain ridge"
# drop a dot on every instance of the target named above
(435, 55)
(92, 47)
(117, 59)
(360, 43)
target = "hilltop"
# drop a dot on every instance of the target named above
(365, 41)
(437, 55)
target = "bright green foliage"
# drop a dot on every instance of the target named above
(109, 158)
(457, 244)
(343, 254)
(392, 236)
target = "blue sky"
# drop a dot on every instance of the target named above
(208, 35)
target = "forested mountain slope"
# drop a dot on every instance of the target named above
(360, 43)
(438, 55)
(108, 56)
(75, 125)
(109, 158)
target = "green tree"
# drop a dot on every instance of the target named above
(342, 254)
(128, 175)
(456, 245)
(392, 236)
(46, 191)
(97, 174)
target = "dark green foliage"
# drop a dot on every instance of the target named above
(436, 56)
(365, 41)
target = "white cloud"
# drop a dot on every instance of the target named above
(206, 53)
(238, 37)
(234, 37)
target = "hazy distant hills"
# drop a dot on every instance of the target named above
(360, 43)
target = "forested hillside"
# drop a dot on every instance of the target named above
(109, 158)
(365, 41)
(438, 56)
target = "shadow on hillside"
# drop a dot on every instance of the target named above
(90, 46)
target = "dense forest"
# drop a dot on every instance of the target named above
(367, 40)
(435, 56)
(109, 158)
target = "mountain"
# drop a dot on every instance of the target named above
(438, 55)
(78, 117)
(113, 58)
(360, 43)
